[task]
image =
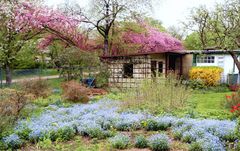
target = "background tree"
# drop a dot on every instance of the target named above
(11, 39)
(176, 32)
(140, 37)
(192, 42)
(218, 28)
(106, 12)
(21, 22)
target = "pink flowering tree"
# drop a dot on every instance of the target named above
(21, 22)
(149, 40)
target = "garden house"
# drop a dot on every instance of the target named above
(128, 70)
(159, 53)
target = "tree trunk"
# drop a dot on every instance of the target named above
(8, 75)
(106, 46)
(235, 59)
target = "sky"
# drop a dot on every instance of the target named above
(169, 12)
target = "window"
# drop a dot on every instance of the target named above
(160, 67)
(128, 70)
(205, 59)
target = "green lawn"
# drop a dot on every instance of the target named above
(209, 104)
(29, 73)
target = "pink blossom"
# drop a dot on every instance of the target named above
(152, 41)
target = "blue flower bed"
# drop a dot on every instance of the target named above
(97, 120)
(159, 142)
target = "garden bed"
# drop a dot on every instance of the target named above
(102, 121)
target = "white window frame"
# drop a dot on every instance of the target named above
(206, 59)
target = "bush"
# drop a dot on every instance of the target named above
(102, 77)
(11, 104)
(233, 102)
(237, 131)
(196, 84)
(195, 147)
(36, 88)
(151, 125)
(13, 141)
(62, 134)
(234, 87)
(75, 92)
(160, 94)
(120, 141)
(159, 142)
(141, 142)
(209, 75)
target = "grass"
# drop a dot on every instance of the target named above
(209, 105)
(28, 73)
(79, 143)
(200, 105)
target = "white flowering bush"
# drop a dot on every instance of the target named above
(141, 142)
(159, 142)
(101, 120)
(120, 141)
(13, 141)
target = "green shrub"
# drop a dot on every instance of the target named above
(197, 84)
(24, 133)
(159, 142)
(161, 94)
(177, 135)
(232, 100)
(238, 133)
(120, 141)
(195, 147)
(99, 134)
(102, 77)
(141, 142)
(151, 125)
(63, 134)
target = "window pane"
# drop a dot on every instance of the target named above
(128, 70)
(160, 67)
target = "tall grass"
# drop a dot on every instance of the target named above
(158, 94)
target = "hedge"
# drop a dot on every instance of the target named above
(209, 75)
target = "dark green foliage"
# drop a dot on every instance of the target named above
(24, 133)
(195, 147)
(120, 141)
(196, 84)
(102, 77)
(192, 42)
(141, 142)
(151, 125)
(63, 134)
(156, 125)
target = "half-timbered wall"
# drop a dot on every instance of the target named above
(141, 69)
(139, 66)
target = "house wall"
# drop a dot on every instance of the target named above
(224, 61)
(186, 65)
(141, 70)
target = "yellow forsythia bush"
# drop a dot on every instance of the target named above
(209, 75)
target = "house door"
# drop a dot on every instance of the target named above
(174, 64)
(154, 68)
